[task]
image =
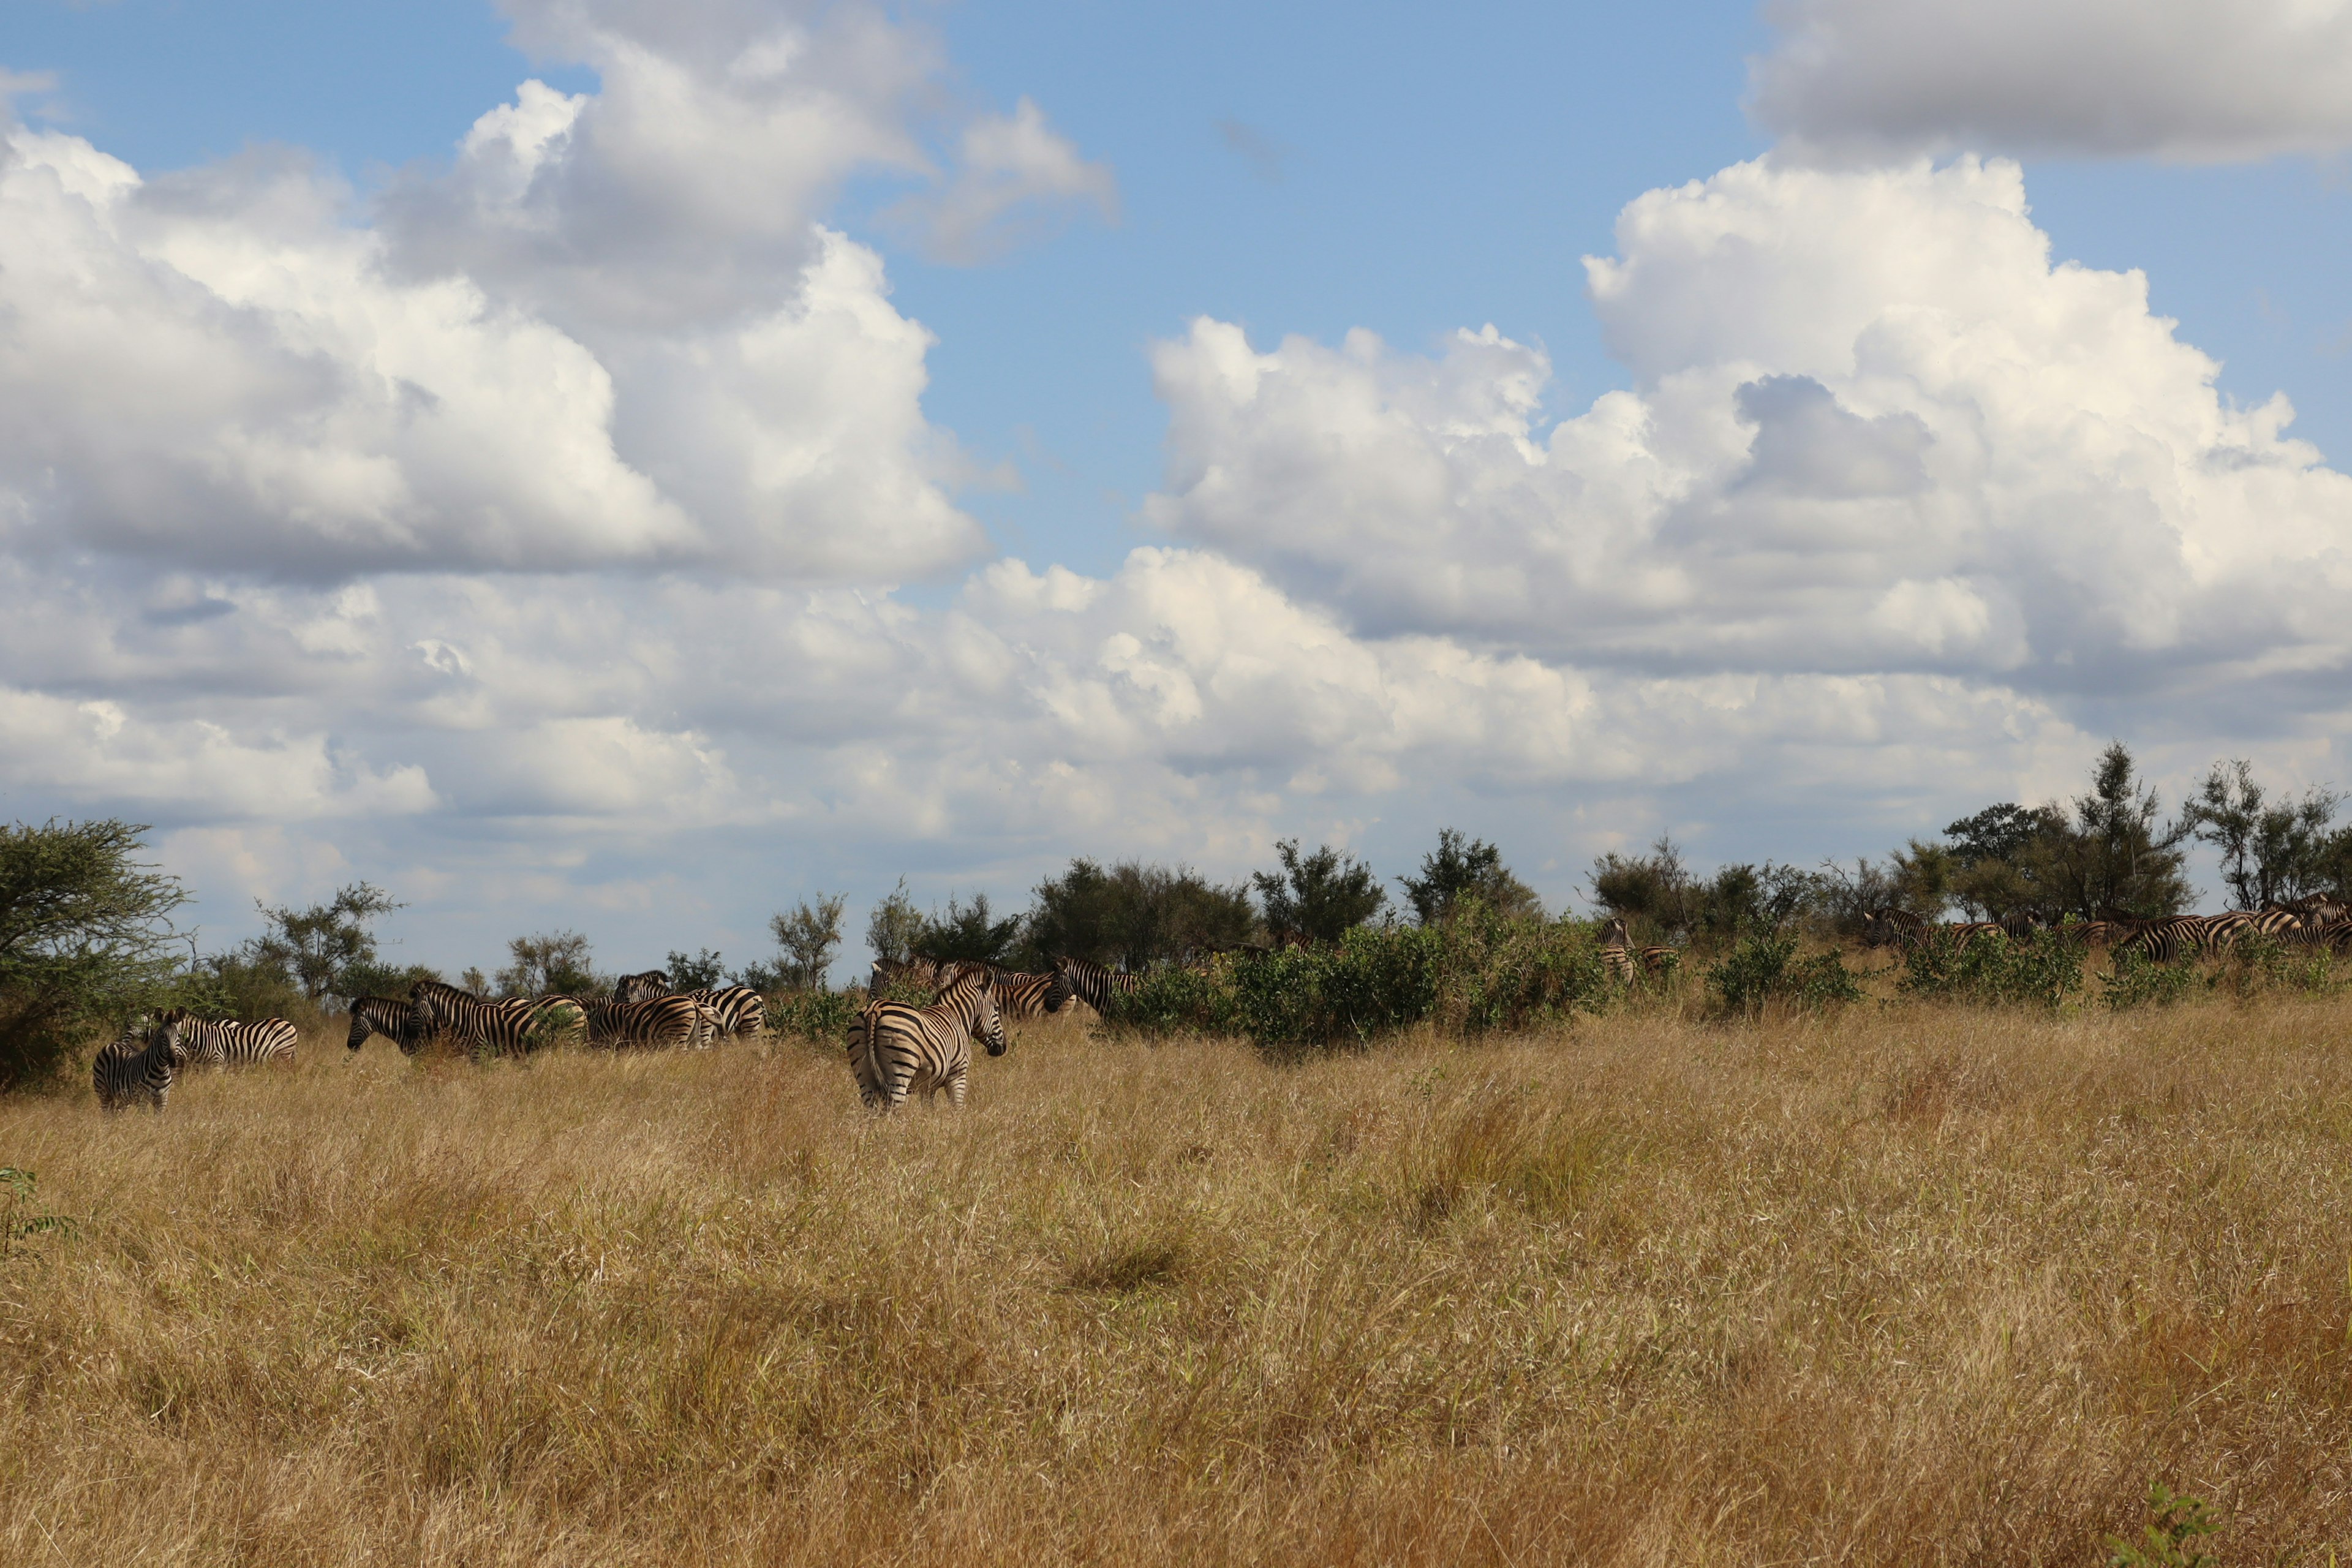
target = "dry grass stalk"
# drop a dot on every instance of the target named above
(1916, 1285)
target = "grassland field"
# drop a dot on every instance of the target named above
(1908, 1283)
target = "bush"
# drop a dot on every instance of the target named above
(2259, 963)
(1987, 967)
(818, 1015)
(2135, 980)
(84, 939)
(1764, 969)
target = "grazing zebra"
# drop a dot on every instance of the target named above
(139, 1066)
(1021, 996)
(896, 1050)
(218, 1043)
(1622, 959)
(1901, 928)
(1089, 983)
(387, 1015)
(656, 1021)
(510, 1026)
(2174, 937)
(637, 987)
(735, 1009)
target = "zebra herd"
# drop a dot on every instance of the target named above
(141, 1063)
(642, 1011)
(2319, 921)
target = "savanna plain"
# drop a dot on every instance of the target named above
(1905, 1283)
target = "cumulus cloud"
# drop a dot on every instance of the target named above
(1016, 175)
(2180, 80)
(1873, 429)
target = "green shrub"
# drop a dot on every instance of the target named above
(85, 940)
(1764, 969)
(2258, 963)
(2135, 980)
(1988, 967)
(822, 1015)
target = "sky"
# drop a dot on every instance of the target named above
(626, 468)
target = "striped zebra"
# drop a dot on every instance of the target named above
(637, 987)
(1622, 960)
(1900, 928)
(1021, 996)
(510, 1026)
(1089, 983)
(896, 1050)
(2172, 938)
(139, 1066)
(654, 1021)
(735, 1009)
(220, 1043)
(387, 1015)
(888, 972)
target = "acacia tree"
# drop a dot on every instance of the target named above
(557, 961)
(1459, 868)
(1320, 897)
(808, 936)
(2272, 850)
(85, 938)
(318, 948)
(1133, 915)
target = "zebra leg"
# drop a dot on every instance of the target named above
(955, 1088)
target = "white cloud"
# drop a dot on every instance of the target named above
(1872, 429)
(2181, 79)
(1016, 173)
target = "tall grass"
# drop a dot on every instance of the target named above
(1918, 1284)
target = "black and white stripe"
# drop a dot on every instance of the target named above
(896, 1050)
(1623, 959)
(390, 1017)
(139, 1066)
(510, 1026)
(637, 987)
(735, 1009)
(220, 1042)
(655, 1022)
(1021, 996)
(1089, 983)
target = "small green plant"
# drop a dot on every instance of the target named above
(2174, 1522)
(2135, 980)
(1766, 968)
(18, 1186)
(1988, 967)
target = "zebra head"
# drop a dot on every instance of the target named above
(1614, 933)
(166, 1033)
(990, 1022)
(1058, 994)
(637, 987)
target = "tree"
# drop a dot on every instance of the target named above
(2116, 858)
(2010, 858)
(555, 962)
(85, 938)
(1456, 871)
(1134, 915)
(317, 948)
(698, 973)
(1319, 896)
(895, 927)
(2270, 850)
(969, 933)
(1653, 891)
(808, 936)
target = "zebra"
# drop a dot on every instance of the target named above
(387, 1015)
(512, 1025)
(895, 1049)
(1622, 959)
(219, 1043)
(140, 1064)
(657, 1021)
(736, 1009)
(637, 987)
(890, 971)
(1089, 983)
(1021, 996)
(2173, 937)
(1900, 928)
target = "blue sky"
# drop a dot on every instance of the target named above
(1287, 170)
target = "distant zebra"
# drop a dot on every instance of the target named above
(2172, 937)
(1622, 960)
(1023, 996)
(896, 1050)
(1900, 928)
(1089, 983)
(637, 987)
(139, 1066)
(217, 1042)
(387, 1015)
(510, 1027)
(655, 1021)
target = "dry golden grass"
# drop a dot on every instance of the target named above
(1915, 1285)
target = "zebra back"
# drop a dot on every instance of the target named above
(1089, 983)
(895, 1049)
(1891, 927)
(736, 1009)
(505, 1026)
(139, 1064)
(1021, 996)
(222, 1042)
(654, 1021)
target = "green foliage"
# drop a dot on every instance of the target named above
(1319, 896)
(808, 936)
(18, 1192)
(2135, 980)
(698, 972)
(2044, 969)
(315, 949)
(1764, 969)
(1656, 893)
(1479, 970)
(895, 926)
(1458, 869)
(1132, 916)
(85, 935)
(557, 961)
(2106, 851)
(2175, 1522)
(2270, 851)
(970, 932)
(239, 985)
(2257, 963)
(815, 1015)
